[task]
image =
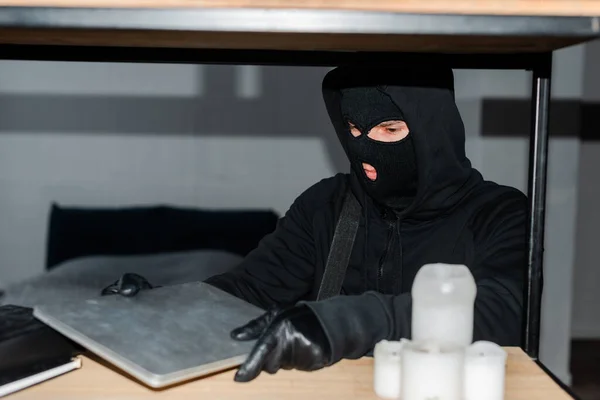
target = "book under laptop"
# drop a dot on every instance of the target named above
(161, 336)
(30, 351)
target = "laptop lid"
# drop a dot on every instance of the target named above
(161, 336)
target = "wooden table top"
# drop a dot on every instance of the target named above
(487, 7)
(345, 380)
(432, 26)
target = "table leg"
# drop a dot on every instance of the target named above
(538, 163)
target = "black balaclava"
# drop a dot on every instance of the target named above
(395, 162)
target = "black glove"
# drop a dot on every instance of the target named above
(287, 339)
(128, 285)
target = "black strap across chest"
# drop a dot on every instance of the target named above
(341, 248)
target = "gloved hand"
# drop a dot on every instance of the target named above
(128, 285)
(287, 339)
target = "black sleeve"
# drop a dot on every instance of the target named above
(354, 324)
(280, 271)
(499, 271)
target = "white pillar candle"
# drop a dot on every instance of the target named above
(485, 366)
(443, 300)
(386, 373)
(432, 371)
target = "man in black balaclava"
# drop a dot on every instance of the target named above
(421, 202)
(383, 160)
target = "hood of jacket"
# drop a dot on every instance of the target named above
(425, 97)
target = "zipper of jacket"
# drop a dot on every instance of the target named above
(390, 236)
(400, 274)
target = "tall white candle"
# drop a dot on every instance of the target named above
(432, 371)
(485, 366)
(443, 300)
(386, 373)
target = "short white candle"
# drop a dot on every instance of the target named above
(432, 372)
(485, 366)
(443, 302)
(386, 373)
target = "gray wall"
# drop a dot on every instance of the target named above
(586, 296)
(504, 160)
(222, 137)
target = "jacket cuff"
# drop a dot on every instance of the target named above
(352, 324)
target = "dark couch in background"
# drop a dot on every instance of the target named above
(89, 248)
(77, 232)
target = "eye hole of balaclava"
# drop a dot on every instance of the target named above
(367, 107)
(395, 181)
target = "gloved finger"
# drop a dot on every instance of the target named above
(129, 290)
(111, 289)
(259, 355)
(253, 329)
(131, 279)
(273, 363)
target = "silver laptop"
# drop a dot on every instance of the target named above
(161, 336)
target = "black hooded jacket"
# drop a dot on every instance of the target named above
(456, 217)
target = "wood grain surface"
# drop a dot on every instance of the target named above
(488, 7)
(285, 41)
(345, 380)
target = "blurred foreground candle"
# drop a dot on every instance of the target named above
(432, 371)
(485, 364)
(443, 300)
(386, 373)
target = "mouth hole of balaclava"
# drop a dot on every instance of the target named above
(386, 132)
